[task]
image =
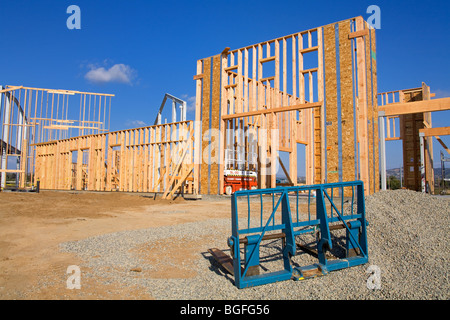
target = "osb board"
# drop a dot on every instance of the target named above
(375, 110)
(205, 125)
(215, 122)
(410, 125)
(411, 150)
(331, 103)
(347, 116)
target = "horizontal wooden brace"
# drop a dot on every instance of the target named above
(267, 79)
(225, 51)
(267, 59)
(57, 91)
(310, 70)
(231, 68)
(11, 89)
(441, 131)
(67, 127)
(392, 109)
(284, 149)
(307, 105)
(311, 49)
(392, 139)
(360, 33)
(18, 125)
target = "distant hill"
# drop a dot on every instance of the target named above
(437, 173)
(390, 172)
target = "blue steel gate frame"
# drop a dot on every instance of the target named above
(354, 223)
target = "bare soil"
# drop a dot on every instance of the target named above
(32, 225)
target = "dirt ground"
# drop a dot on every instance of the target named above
(32, 225)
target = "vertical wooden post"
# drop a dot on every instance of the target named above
(223, 109)
(362, 107)
(293, 117)
(79, 185)
(320, 95)
(274, 128)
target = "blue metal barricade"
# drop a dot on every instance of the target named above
(260, 215)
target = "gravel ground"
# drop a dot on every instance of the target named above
(407, 236)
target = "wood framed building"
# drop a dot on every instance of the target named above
(407, 115)
(316, 87)
(29, 116)
(158, 158)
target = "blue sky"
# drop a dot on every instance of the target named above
(155, 46)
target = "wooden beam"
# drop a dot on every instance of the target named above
(169, 194)
(57, 91)
(268, 79)
(285, 171)
(11, 89)
(225, 51)
(231, 68)
(320, 95)
(267, 59)
(309, 70)
(300, 106)
(443, 144)
(311, 49)
(414, 107)
(362, 135)
(11, 171)
(442, 131)
(360, 33)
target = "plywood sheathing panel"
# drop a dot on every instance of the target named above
(215, 119)
(331, 104)
(347, 107)
(372, 112)
(204, 167)
(341, 157)
(373, 59)
(362, 106)
(410, 125)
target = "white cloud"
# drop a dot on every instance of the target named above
(135, 123)
(190, 102)
(119, 73)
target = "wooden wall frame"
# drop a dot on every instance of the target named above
(34, 115)
(412, 108)
(316, 87)
(149, 159)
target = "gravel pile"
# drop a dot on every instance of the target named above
(408, 242)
